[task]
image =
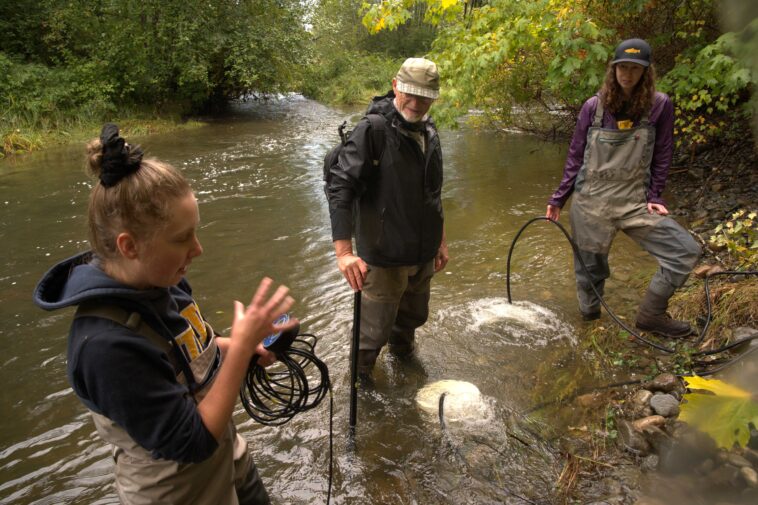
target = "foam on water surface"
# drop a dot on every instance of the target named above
(463, 401)
(521, 323)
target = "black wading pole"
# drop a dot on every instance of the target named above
(354, 364)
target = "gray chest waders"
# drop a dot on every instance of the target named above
(610, 194)
(142, 479)
(611, 186)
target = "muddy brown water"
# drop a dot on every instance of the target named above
(257, 175)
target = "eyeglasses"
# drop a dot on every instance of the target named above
(421, 99)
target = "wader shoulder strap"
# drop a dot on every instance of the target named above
(134, 322)
(597, 120)
(645, 121)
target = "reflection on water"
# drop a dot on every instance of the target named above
(257, 174)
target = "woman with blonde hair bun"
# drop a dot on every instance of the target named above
(160, 384)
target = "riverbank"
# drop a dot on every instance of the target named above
(638, 425)
(15, 142)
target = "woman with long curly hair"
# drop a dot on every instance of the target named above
(617, 167)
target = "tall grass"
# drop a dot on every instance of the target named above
(39, 103)
(42, 106)
(350, 78)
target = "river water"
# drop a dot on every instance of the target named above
(257, 175)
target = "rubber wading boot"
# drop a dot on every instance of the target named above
(652, 317)
(366, 362)
(590, 316)
(401, 350)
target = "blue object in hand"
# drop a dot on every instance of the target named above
(280, 342)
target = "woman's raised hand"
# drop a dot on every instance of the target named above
(256, 321)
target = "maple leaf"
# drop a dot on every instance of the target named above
(724, 415)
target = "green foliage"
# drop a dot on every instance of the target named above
(20, 24)
(725, 414)
(350, 77)
(610, 422)
(532, 64)
(76, 60)
(508, 57)
(742, 16)
(739, 236)
(391, 14)
(348, 65)
(524, 64)
(709, 86)
(36, 98)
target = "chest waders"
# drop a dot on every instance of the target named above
(228, 476)
(611, 195)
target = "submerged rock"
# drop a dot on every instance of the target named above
(745, 333)
(751, 455)
(725, 475)
(650, 463)
(591, 400)
(659, 439)
(749, 475)
(737, 460)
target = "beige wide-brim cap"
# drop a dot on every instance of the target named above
(419, 76)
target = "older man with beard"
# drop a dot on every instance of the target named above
(389, 198)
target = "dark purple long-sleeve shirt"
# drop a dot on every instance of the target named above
(661, 117)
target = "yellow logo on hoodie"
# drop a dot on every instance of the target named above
(195, 338)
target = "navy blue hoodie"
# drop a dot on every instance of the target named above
(121, 374)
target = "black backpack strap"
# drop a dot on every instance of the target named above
(134, 321)
(377, 122)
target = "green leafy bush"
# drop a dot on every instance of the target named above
(36, 98)
(67, 63)
(709, 86)
(739, 236)
(350, 78)
(348, 65)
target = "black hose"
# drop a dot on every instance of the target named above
(584, 267)
(441, 411)
(273, 397)
(276, 396)
(618, 321)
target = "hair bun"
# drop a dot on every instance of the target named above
(118, 158)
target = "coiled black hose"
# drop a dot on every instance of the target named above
(274, 395)
(298, 381)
